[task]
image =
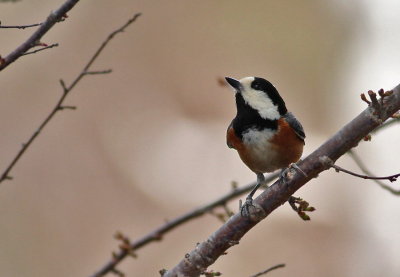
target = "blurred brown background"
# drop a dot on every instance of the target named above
(147, 142)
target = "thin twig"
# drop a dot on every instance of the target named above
(391, 178)
(98, 72)
(9, 0)
(364, 169)
(59, 106)
(19, 26)
(52, 19)
(41, 49)
(268, 270)
(157, 234)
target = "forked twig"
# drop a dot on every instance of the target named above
(53, 18)
(364, 169)
(391, 178)
(66, 89)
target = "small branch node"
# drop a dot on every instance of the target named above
(67, 108)
(5, 177)
(121, 237)
(367, 137)
(374, 99)
(125, 245)
(41, 49)
(62, 83)
(97, 72)
(268, 270)
(301, 206)
(378, 113)
(363, 98)
(114, 255)
(234, 185)
(118, 272)
(39, 43)
(211, 273)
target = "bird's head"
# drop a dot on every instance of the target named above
(260, 95)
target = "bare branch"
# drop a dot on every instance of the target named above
(9, 0)
(391, 178)
(364, 169)
(52, 19)
(268, 270)
(157, 234)
(41, 49)
(59, 106)
(98, 72)
(207, 252)
(19, 26)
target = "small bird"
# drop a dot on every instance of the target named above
(266, 136)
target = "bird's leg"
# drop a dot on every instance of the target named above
(244, 210)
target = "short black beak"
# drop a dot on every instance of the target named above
(234, 83)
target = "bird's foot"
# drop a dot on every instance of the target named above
(251, 210)
(287, 173)
(245, 209)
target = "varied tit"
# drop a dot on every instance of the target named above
(266, 136)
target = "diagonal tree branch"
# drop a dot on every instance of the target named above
(228, 235)
(52, 19)
(66, 90)
(158, 233)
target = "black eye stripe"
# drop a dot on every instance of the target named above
(265, 86)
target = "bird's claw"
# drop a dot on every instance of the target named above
(245, 209)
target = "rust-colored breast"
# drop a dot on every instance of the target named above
(244, 152)
(273, 153)
(289, 145)
(232, 140)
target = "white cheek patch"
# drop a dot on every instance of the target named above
(259, 101)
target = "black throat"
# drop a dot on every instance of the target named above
(247, 117)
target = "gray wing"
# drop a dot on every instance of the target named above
(296, 125)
